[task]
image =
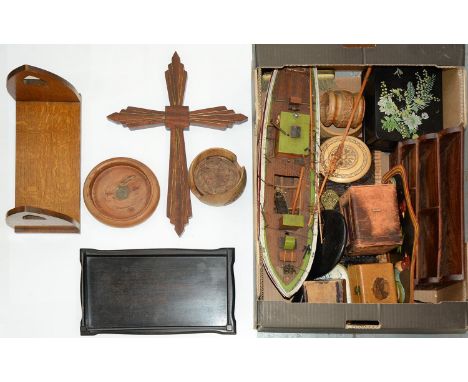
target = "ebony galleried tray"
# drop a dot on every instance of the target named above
(157, 291)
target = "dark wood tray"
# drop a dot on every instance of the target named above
(157, 291)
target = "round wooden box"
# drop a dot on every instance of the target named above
(121, 192)
(216, 178)
(335, 110)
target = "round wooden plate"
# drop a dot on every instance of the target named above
(216, 178)
(353, 165)
(121, 192)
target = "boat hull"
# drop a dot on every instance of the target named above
(288, 177)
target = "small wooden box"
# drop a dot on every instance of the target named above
(325, 292)
(371, 214)
(372, 283)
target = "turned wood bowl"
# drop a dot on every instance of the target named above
(336, 107)
(216, 178)
(335, 110)
(121, 192)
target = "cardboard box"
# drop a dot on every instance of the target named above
(273, 313)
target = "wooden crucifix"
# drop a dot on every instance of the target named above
(177, 118)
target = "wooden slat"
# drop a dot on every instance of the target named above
(136, 117)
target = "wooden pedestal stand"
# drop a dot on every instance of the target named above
(47, 194)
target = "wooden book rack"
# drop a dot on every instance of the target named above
(434, 166)
(47, 197)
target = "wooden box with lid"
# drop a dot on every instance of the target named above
(372, 283)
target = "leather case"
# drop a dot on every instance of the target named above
(371, 214)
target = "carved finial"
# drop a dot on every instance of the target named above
(176, 78)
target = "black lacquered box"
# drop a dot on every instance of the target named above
(402, 102)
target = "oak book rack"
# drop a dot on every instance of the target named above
(47, 196)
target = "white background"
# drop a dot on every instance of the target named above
(40, 273)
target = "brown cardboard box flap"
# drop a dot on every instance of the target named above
(278, 55)
(446, 317)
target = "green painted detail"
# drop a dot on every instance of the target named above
(289, 145)
(292, 221)
(289, 243)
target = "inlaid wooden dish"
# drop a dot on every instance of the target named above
(354, 163)
(121, 192)
(216, 178)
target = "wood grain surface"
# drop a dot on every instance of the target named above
(434, 166)
(47, 152)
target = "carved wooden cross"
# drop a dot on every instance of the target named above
(177, 118)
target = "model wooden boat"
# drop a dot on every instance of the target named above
(287, 182)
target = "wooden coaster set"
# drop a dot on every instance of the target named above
(358, 218)
(216, 178)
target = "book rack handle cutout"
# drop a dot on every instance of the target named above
(48, 112)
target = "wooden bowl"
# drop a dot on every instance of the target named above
(216, 178)
(335, 109)
(121, 192)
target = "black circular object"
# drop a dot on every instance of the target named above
(329, 252)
